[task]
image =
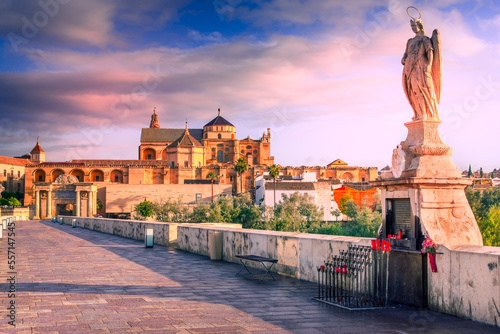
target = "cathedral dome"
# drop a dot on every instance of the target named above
(219, 128)
(219, 120)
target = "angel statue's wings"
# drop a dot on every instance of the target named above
(437, 63)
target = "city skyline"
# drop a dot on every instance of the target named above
(325, 76)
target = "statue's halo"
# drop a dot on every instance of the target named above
(408, 12)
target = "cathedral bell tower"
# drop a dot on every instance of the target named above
(154, 120)
(37, 153)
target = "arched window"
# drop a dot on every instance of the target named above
(97, 175)
(226, 158)
(55, 173)
(219, 156)
(173, 164)
(219, 136)
(116, 176)
(186, 164)
(254, 160)
(39, 175)
(79, 174)
(149, 154)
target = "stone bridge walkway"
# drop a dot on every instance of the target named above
(80, 281)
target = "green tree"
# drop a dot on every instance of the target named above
(274, 172)
(99, 204)
(337, 214)
(481, 174)
(296, 213)
(170, 211)
(144, 210)
(469, 174)
(240, 168)
(490, 227)
(11, 201)
(485, 206)
(343, 202)
(351, 209)
(212, 176)
(366, 222)
(18, 195)
(200, 214)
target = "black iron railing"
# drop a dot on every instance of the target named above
(357, 278)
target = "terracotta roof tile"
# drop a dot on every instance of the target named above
(13, 161)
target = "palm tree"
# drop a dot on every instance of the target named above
(274, 172)
(240, 168)
(212, 176)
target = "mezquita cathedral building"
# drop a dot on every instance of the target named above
(172, 163)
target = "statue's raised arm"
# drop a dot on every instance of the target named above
(422, 72)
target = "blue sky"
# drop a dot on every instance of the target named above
(325, 76)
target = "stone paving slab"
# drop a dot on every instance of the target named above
(80, 281)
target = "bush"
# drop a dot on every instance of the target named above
(486, 208)
(490, 227)
(170, 211)
(12, 201)
(143, 210)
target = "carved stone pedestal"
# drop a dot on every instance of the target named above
(426, 154)
(428, 200)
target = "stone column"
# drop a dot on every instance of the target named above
(49, 203)
(94, 203)
(78, 204)
(37, 204)
(89, 204)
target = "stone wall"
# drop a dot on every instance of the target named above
(122, 198)
(467, 283)
(15, 211)
(298, 254)
(164, 233)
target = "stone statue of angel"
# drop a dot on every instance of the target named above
(422, 72)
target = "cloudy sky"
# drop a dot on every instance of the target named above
(324, 75)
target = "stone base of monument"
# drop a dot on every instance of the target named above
(424, 197)
(428, 207)
(407, 274)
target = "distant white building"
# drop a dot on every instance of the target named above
(306, 183)
(496, 181)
